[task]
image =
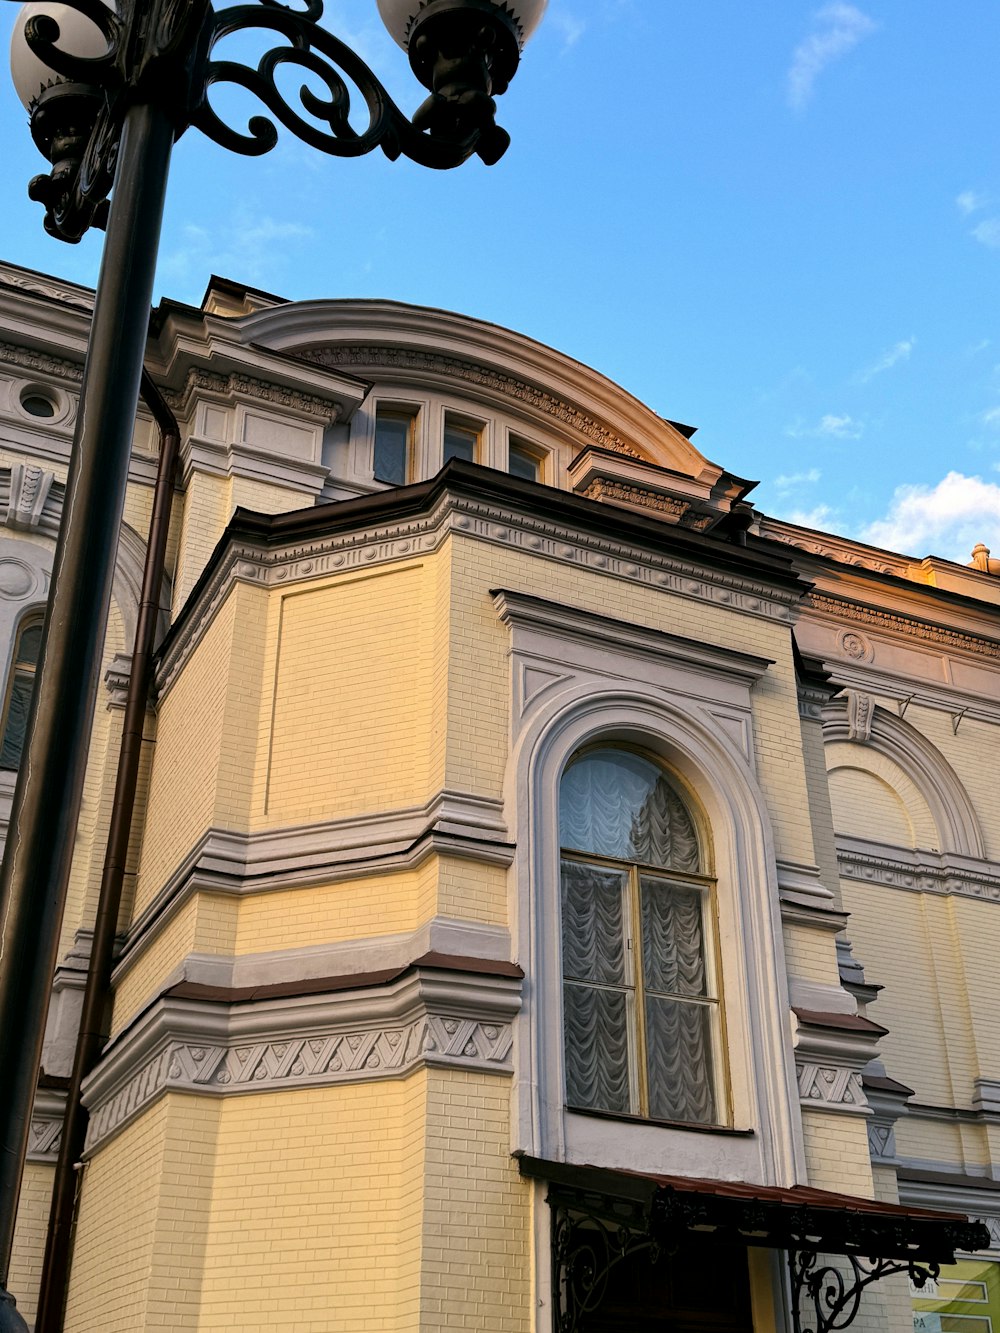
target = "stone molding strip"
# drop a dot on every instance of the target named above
(428, 1016)
(45, 1130)
(451, 823)
(365, 547)
(831, 1050)
(917, 871)
(891, 622)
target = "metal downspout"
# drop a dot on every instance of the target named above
(95, 1018)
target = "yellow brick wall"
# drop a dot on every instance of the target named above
(477, 1212)
(29, 1237)
(320, 1231)
(205, 924)
(811, 954)
(837, 1156)
(116, 1230)
(353, 721)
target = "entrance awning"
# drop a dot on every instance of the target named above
(616, 1213)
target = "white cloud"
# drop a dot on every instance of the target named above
(789, 480)
(838, 29)
(569, 26)
(246, 249)
(831, 426)
(822, 517)
(901, 351)
(991, 418)
(947, 519)
(968, 202)
(988, 232)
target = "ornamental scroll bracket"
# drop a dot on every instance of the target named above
(167, 53)
(827, 1297)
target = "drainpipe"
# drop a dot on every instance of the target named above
(95, 1019)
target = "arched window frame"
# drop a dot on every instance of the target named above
(18, 671)
(637, 988)
(764, 1140)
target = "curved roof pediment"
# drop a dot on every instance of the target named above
(377, 339)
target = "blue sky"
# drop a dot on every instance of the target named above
(779, 222)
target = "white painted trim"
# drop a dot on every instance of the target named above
(427, 1017)
(578, 709)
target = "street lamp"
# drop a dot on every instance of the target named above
(109, 87)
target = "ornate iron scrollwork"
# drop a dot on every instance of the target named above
(162, 51)
(585, 1251)
(832, 1296)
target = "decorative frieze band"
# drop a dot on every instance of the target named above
(357, 356)
(831, 1087)
(919, 871)
(893, 623)
(385, 1031)
(247, 386)
(45, 1130)
(370, 547)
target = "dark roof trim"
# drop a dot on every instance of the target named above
(842, 1022)
(768, 561)
(797, 1217)
(281, 990)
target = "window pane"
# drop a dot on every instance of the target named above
(17, 719)
(28, 645)
(679, 1060)
(392, 438)
(520, 463)
(593, 924)
(620, 805)
(673, 938)
(597, 1066)
(459, 444)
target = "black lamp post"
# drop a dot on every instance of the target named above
(109, 87)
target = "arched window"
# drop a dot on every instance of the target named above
(641, 1002)
(20, 688)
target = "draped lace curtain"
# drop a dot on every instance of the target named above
(19, 692)
(639, 1015)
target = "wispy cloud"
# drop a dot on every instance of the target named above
(247, 248)
(946, 519)
(831, 426)
(987, 232)
(790, 481)
(901, 351)
(569, 26)
(838, 28)
(969, 202)
(821, 516)
(990, 418)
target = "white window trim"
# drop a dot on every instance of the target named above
(578, 679)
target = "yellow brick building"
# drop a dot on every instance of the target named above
(561, 898)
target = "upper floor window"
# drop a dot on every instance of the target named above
(523, 462)
(459, 442)
(20, 688)
(393, 436)
(641, 1004)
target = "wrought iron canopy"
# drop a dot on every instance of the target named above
(837, 1244)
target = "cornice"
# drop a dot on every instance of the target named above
(566, 622)
(238, 384)
(470, 372)
(274, 566)
(891, 622)
(917, 871)
(452, 823)
(40, 284)
(41, 363)
(426, 1018)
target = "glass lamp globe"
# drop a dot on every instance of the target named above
(77, 37)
